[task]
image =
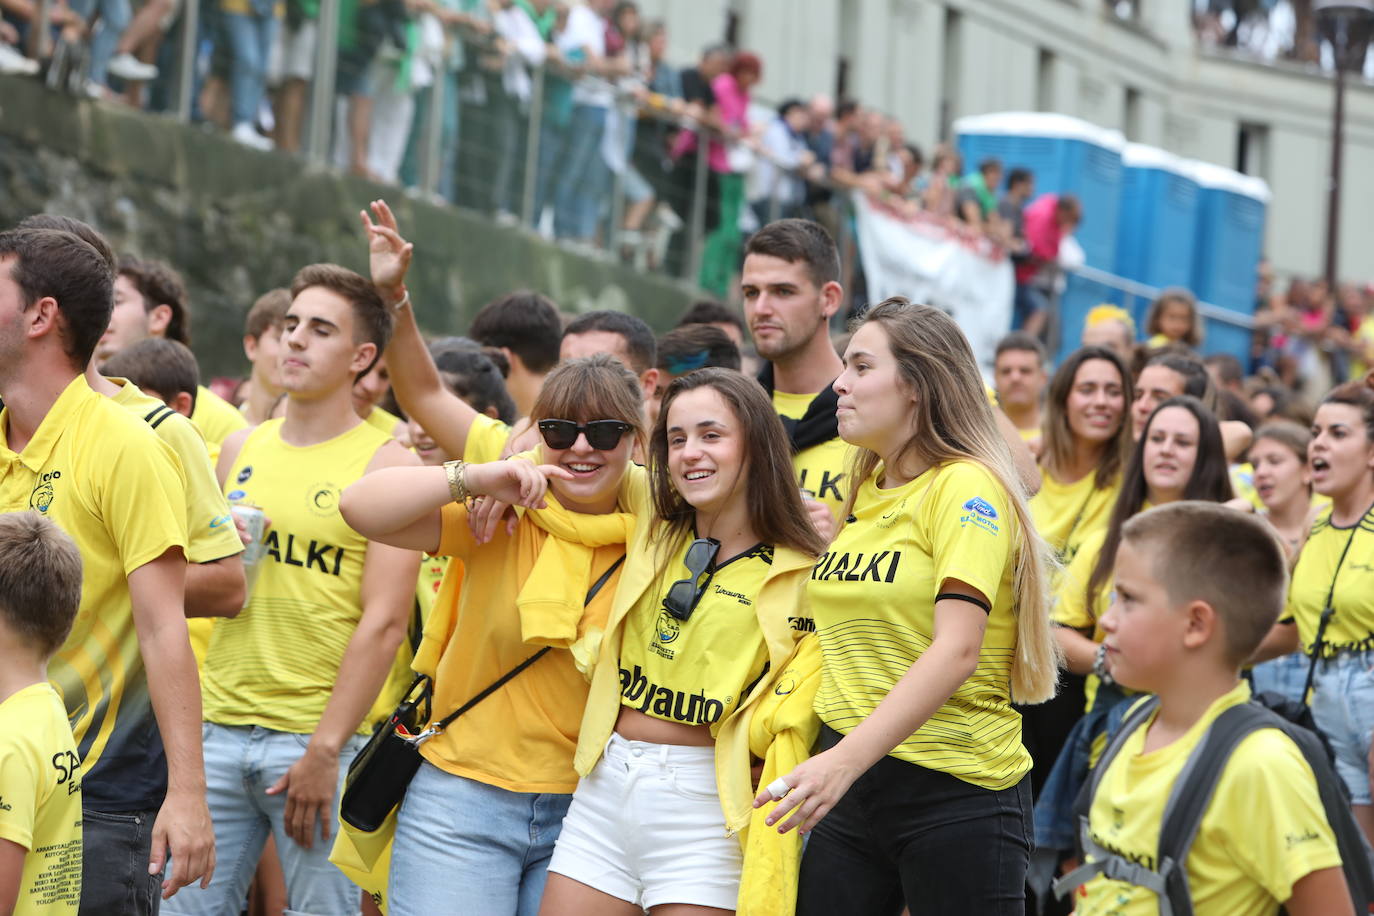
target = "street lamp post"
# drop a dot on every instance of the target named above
(1346, 24)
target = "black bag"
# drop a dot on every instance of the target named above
(1192, 793)
(377, 778)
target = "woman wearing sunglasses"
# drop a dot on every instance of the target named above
(708, 605)
(479, 820)
(932, 615)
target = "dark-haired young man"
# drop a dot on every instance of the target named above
(125, 673)
(625, 337)
(716, 314)
(1019, 377)
(262, 347)
(289, 681)
(527, 328)
(151, 301)
(687, 348)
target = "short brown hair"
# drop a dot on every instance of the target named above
(371, 318)
(1232, 560)
(40, 580)
(157, 365)
(598, 387)
(268, 312)
(159, 284)
(51, 262)
(794, 240)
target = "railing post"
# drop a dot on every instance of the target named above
(186, 62)
(697, 226)
(317, 140)
(533, 136)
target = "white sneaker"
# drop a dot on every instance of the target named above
(12, 63)
(127, 67)
(248, 135)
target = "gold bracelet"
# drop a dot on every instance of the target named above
(456, 471)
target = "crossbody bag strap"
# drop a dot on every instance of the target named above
(506, 678)
(1328, 611)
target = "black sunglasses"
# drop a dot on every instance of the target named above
(684, 594)
(602, 435)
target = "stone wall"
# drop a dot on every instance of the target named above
(237, 222)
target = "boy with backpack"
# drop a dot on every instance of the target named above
(1204, 801)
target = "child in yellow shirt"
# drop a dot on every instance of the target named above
(1197, 587)
(40, 781)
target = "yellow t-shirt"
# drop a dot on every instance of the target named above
(1243, 484)
(1364, 338)
(40, 785)
(873, 597)
(276, 663)
(104, 477)
(1028, 435)
(486, 438)
(1247, 856)
(522, 737)
(1352, 626)
(209, 526)
(696, 671)
(1066, 514)
(383, 420)
(216, 419)
(824, 468)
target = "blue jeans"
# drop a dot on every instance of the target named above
(581, 189)
(114, 19)
(250, 40)
(1343, 706)
(1285, 675)
(463, 846)
(241, 763)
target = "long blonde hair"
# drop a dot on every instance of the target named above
(952, 420)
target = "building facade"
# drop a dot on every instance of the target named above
(928, 62)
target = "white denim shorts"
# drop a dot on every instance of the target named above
(646, 826)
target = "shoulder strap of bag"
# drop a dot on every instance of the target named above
(506, 678)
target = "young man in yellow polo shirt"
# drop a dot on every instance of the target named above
(125, 673)
(289, 681)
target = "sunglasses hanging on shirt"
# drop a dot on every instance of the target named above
(602, 435)
(684, 594)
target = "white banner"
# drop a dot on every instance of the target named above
(941, 263)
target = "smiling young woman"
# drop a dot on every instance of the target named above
(479, 820)
(710, 603)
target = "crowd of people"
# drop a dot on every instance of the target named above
(668, 616)
(618, 126)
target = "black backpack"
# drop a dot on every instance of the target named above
(1192, 793)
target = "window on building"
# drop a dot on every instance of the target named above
(1130, 115)
(1044, 81)
(949, 81)
(1252, 150)
(1126, 10)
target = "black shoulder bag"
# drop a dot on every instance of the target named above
(377, 778)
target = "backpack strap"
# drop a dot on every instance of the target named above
(1106, 862)
(1193, 790)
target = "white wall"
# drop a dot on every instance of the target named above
(1189, 102)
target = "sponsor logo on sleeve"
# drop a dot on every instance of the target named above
(980, 512)
(244, 474)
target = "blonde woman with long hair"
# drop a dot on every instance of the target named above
(932, 614)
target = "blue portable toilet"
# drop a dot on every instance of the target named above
(1230, 241)
(1157, 230)
(1067, 155)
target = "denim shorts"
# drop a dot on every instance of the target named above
(646, 826)
(1343, 706)
(1285, 675)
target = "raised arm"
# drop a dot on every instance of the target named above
(420, 391)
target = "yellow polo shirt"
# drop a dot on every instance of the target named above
(106, 479)
(216, 419)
